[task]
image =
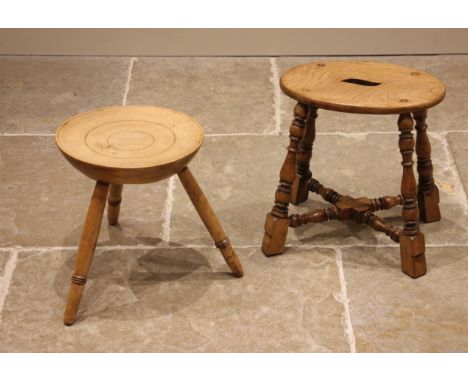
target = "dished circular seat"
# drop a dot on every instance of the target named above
(362, 87)
(130, 144)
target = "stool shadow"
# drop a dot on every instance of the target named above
(136, 284)
(336, 232)
(374, 260)
(114, 235)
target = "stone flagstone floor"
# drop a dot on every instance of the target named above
(157, 284)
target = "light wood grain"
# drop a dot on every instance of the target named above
(212, 224)
(362, 87)
(86, 250)
(114, 200)
(130, 144)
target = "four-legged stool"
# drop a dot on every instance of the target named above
(363, 88)
(132, 145)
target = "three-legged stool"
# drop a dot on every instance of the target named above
(363, 88)
(132, 145)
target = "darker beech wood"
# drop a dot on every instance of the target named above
(412, 247)
(276, 224)
(428, 193)
(349, 208)
(316, 216)
(360, 210)
(300, 187)
(379, 224)
(366, 88)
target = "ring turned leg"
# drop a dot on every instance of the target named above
(428, 193)
(300, 186)
(412, 247)
(85, 252)
(276, 223)
(114, 199)
(210, 220)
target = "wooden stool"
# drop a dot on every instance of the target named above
(132, 145)
(363, 88)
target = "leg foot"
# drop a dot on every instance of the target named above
(114, 200)
(274, 240)
(429, 205)
(85, 252)
(210, 220)
(413, 259)
(300, 189)
(230, 257)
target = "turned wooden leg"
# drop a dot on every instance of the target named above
(428, 193)
(300, 186)
(210, 220)
(276, 223)
(412, 248)
(85, 252)
(114, 199)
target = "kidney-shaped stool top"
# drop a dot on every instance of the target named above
(130, 144)
(365, 87)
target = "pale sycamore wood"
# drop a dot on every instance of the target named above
(362, 87)
(132, 144)
(86, 250)
(212, 224)
(129, 144)
(113, 203)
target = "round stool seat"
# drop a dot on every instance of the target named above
(129, 144)
(362, 87)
